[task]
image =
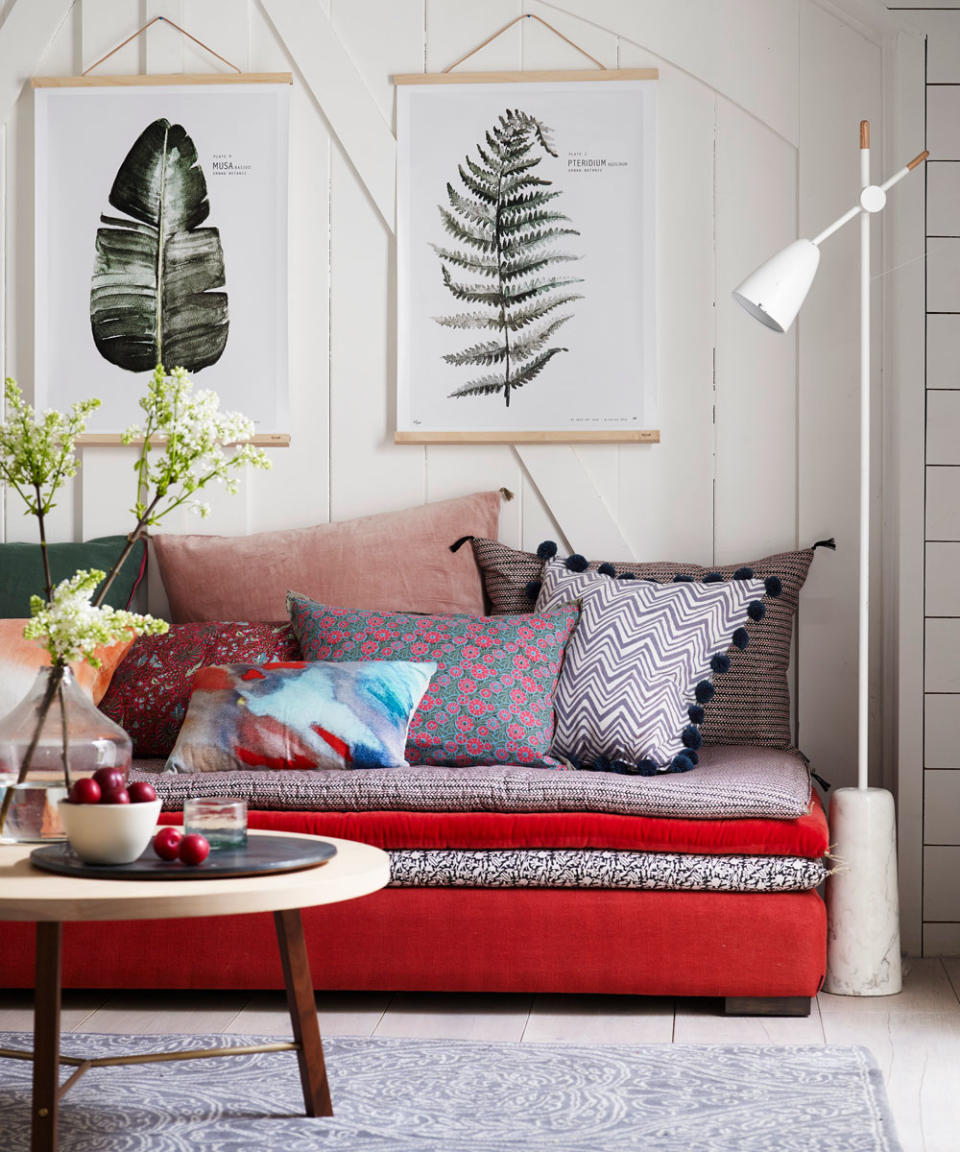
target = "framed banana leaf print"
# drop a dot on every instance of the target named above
(526, 259)
(161, 237)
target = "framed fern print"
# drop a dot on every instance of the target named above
(161, 237)
(526, 258)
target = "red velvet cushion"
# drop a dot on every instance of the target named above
(807, 836)
(150, 690)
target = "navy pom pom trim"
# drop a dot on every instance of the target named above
(607, 570)
(704, 692)
(696, 714)
(755, 610)
(627, 576)
(532, 589)
(691, 737)
(745, 573)
(741, 638)
(773, 586)
(681, 763)
(713, 578)
(683, 578)
(720, 662)
(576, 562)
(547, 550)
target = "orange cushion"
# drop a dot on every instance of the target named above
(20, 659)
(391, 562)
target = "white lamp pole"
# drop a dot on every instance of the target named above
(863, 937)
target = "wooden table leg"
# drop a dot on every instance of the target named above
(46, 1039)
(303, 1012)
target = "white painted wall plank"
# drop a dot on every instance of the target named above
(227, 30)
(755, 509)
(363, 332)
(942, 585)
(941, 886)
(666, 496)
(943, 503)
(943, 199)
(940, 731)
(942, 807)
(296, 492)
(163, 47)
(943, 272)
(25, 35)
(103, 24)
(942, 668)
(330, 74)
(943, 340)
(943, 427)
(714, 40)
(943, 122)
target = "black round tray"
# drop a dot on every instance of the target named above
(263, 855)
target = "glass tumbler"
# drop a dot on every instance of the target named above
(223, 821)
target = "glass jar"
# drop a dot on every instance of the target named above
(28, 810)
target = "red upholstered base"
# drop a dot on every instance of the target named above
(470, 940)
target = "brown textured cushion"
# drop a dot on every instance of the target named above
(752, 701)
(391, 562)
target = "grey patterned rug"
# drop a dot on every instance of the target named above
(394, 1095)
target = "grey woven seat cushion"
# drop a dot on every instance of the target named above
(752, 701)
(730, 782)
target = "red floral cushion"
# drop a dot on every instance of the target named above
(150, 690)
(491, 699)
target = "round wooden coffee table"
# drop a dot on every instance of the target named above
(27, 893)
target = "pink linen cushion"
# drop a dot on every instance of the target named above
(394, 561)
(491, 700)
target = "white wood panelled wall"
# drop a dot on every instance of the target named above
(758, 107)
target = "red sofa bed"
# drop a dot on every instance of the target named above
(759, 950)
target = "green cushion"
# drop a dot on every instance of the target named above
(21, 570)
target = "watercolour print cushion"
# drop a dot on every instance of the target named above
(299, 715)
(491, 700)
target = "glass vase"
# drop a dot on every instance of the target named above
(28, 808)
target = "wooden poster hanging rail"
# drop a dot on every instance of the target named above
(448, 76)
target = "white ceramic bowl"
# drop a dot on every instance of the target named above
(109, 833)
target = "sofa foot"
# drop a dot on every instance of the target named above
(766, 1006)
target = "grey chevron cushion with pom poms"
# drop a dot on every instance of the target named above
(752, 701)
(637, 672)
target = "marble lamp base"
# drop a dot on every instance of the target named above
(863, 912)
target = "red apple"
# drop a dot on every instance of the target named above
(110, 779)
(194, 849)
(166, 843)
(141, 792)
(116, 796)
(85, 791)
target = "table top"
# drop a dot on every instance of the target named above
(28, 893)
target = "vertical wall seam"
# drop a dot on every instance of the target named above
(923, 564)
(716, 331)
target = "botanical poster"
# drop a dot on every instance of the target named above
(526, 259)
(161, 224)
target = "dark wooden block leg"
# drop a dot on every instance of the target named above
(766, 1006)
(303, 1012)
(46, 1039)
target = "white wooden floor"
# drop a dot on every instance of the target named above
(915, 1036)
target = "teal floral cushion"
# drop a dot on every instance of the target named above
(491, 700)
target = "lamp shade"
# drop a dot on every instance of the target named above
(773, 294)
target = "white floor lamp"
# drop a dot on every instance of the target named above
(863, 940)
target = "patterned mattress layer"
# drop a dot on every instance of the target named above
(730, 782)
(650, 871)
